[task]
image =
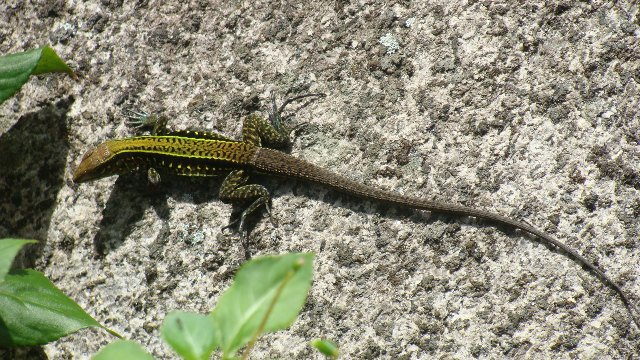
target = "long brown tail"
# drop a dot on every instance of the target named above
(279, 163)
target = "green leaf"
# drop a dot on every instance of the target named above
(190, 335)
(241, 310)
(15, 69)
(8, 250)
(123, 350)
(34, 312)
(327, 347)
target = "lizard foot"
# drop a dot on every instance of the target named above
(142, 120)
(275, 114)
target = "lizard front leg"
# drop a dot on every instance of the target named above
(157, 125)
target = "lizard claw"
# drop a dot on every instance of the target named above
(273, 222)
(229, 225)
(245, 244)
(142, 120)
(299, 126)
(244, 235)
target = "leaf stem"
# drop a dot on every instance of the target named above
(297, 265)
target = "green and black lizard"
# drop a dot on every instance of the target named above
(196, 153)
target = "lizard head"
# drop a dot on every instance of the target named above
(95, 164)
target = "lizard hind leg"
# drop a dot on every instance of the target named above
(271, 132)
(234, 189)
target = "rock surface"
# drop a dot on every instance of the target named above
(528, 110)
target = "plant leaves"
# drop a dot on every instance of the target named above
(8, 250)
(34, 312)
(326, 347)
(15, 69)
(242, 308)
(190, 335)
(123, 350)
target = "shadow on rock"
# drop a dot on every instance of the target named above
(132, 195)
(33, 155)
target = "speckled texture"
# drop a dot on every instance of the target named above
(528, 110)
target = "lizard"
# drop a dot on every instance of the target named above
(202, 153)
